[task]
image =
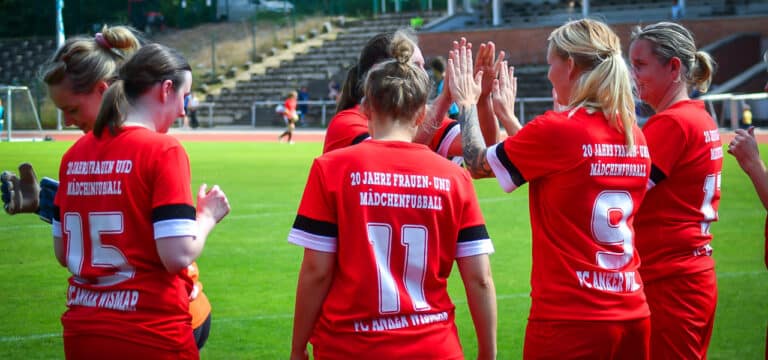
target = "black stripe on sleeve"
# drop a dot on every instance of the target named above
(514, 173)
(56, 213)
(315, 227)
(359, 138)
(473, 233)
(446, 132)
(657, 175)
(173, 212)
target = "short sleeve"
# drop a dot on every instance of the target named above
(473, 236)
(534, 152)
(666, 142)
(173, 213)
(445, 136)
(316, 225)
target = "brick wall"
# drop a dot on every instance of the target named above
(526, 46)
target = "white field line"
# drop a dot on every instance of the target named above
(289, 316)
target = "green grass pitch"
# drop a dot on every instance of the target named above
(249, 270)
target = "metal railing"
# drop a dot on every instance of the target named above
(731, 106)
(269, 103)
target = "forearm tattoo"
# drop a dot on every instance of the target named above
(473, 143)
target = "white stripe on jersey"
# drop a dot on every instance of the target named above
(502, 175)
(56, 229)
(445, 144)
(472, 248)
(312, 241)
(175, 227)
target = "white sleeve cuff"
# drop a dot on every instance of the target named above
(502, 175)
(312, 241)
(472, 248)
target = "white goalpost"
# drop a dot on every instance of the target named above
(19, 116)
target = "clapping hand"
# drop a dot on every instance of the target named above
(465, 87)
(213, 203)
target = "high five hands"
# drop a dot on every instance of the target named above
(465, 86)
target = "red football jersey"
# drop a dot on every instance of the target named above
(585, 187)
(118, 196)
(672, 226)
(348, 127)
(397, 216)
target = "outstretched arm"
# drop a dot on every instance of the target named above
(465, 90)
(489, 65)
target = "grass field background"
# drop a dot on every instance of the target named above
(249, 270)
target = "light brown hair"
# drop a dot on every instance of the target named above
(85, 61)
(151, 64)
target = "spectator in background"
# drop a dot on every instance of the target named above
(676, 10)
(2, 113)
(290, 116)
(746, 116)
(303, 108)
(190, 108)
(333, 90)
(438, 73)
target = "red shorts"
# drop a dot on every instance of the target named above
(561, 339)
(682, 315)
(102, 347)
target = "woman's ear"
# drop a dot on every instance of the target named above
(676, 67)
(573, 71)
(101, 86)
(420, 116)
(166, 90)
(364, 108)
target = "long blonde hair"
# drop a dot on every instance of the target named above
(673, 40)
(604, 83)
(87, 60)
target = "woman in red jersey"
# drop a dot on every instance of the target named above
(382, 223)
(77, 76)
(126, 228)
(588, 167)
(673, 222)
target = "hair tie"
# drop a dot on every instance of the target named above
(102, 41)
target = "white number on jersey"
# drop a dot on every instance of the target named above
(414, 239)
(102, 256)
(609, 227)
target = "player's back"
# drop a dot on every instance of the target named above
(585, 186)
(401, 209)
(115, 193)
